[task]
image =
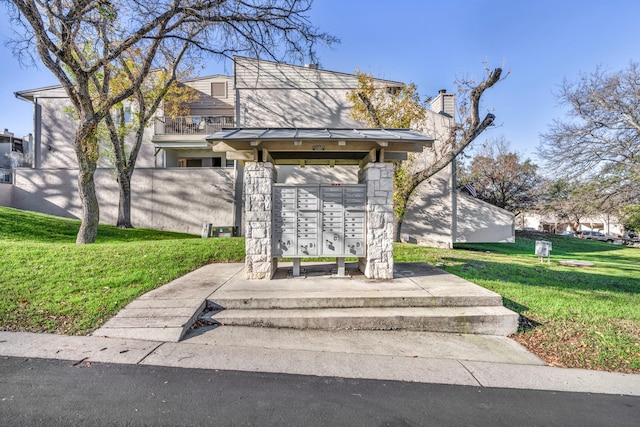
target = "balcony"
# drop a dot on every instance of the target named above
(192, 125)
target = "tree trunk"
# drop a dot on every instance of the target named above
(89, 201)
(124, 204)
(86, 147)
(398, 230)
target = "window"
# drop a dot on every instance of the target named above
(189, 163)
(127, 114)
(219, 89)
(393, 90)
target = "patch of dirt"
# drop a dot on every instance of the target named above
(574, 348)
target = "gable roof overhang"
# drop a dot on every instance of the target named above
(315, 146)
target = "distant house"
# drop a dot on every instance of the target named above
(605, 223)
(14, 153)
(180, 182)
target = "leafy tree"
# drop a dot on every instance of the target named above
(162, 85)
(499, 177)
(630, 217)
(382, 109)
(84, 42)
(378, 108)
(600, 137)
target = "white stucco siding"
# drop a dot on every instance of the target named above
(164, 199)
(317, 175)
(57, 134)
(428, 219)
(210, 103)
(282, 95)
(6, 195)
(250, 74)
(480, 222)
(295, 108)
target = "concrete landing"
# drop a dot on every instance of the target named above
(419, 298)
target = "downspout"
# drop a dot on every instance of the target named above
(454, 203)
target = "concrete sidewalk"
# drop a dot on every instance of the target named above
(430, 357)
(427, 357)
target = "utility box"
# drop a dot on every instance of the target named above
(206, 230)
(543, 249)
(228, 231)
(319, 220)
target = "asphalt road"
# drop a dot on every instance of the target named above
(60, 393)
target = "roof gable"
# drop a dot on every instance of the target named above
(260, 74)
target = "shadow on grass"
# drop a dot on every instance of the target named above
(25, 226)
(543, 275)
(524, 323)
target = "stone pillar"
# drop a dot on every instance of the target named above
(378, 263)
(258, 186)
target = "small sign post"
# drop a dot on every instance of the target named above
(543, 249)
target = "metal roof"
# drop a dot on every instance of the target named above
(280, 134)
(332, 146)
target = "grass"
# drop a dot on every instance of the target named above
(50, 284)
(573, 317)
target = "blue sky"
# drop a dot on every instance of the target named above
(431, 43)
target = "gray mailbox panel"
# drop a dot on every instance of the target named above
(319, 220)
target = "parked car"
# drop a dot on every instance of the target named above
(566, 233)
(596, 235)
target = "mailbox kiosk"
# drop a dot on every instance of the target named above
(319, 221)
(351, 220)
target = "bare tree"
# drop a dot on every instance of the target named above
(372, 108)
(82, 42)
(501, 178)
(567, 201)
(600, 137)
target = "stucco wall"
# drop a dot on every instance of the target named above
(317, 175)
(164, 199)
(6, 195)
(58, 130)
(295, 108)
(429, 215)
(57, 133)
(480, 222)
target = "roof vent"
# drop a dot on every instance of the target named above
(312, 66)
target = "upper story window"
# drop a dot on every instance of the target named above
(219, 89)
(393, 90)
(127, 114)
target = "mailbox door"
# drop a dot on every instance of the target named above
(354, 246)
(307, 246)
(332, 233)
(284, 245)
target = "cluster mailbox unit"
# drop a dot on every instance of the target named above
(319, 221)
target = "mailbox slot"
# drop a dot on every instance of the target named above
(319, 220)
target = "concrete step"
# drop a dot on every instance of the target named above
(305, 300)
(492, 320)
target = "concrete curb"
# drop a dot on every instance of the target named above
(424, 357)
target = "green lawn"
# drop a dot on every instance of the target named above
(50, 284)
(575, 317)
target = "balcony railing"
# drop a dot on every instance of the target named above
(192, 125)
